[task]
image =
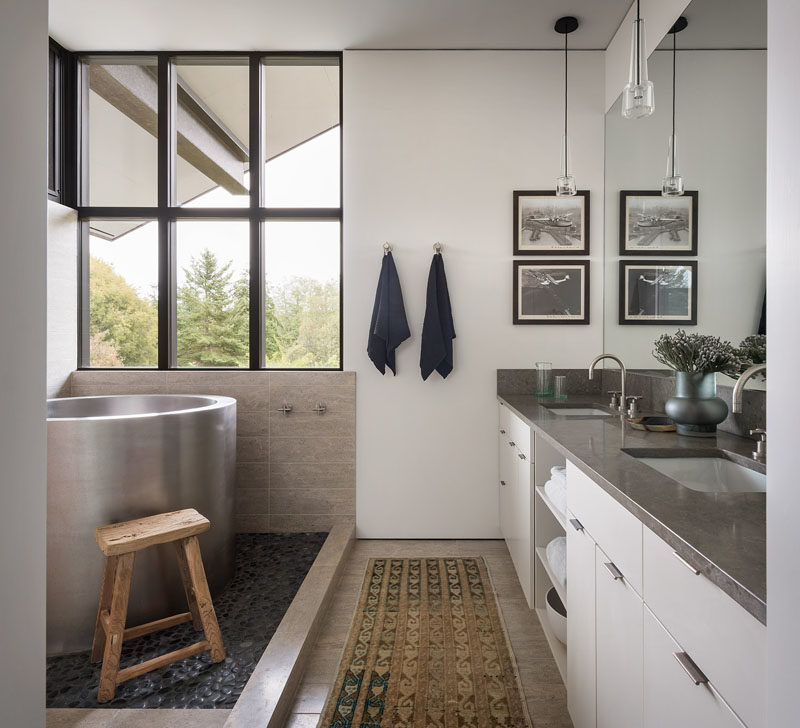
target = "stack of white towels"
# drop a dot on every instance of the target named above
(556, 551)
(556, 488)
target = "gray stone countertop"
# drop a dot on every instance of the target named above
(723, 535)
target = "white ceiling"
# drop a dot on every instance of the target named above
(723, 24)
(331, 25)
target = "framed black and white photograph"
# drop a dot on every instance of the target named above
(650, 224)
(545, 224)
(551, 292)
(658, 292)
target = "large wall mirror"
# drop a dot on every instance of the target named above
(697, 261)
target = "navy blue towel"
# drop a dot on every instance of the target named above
(437, 331)
(389, 327)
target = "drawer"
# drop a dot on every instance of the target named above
(504, 419)
(521, 435)
(672, 697)
(614, 529)
(727, 643)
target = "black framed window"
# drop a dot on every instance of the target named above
(210, 207)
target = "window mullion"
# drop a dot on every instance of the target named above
(166, 186)
(256, 241)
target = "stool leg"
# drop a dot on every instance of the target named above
(197, 574)
(116, 627)
(106, 589)
(191, 599)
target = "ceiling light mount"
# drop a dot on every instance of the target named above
(566, 25)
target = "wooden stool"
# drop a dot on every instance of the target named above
(120, 542)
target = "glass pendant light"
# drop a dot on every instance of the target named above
(672, 186)
(565, 183)
(638, 98)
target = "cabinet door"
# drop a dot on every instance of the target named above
(520, 546)
(619, 647)
(508, 478)
(672, 696)
(581, 682)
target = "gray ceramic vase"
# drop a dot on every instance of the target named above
(695, 408)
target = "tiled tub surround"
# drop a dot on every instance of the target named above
(294, 472)
(655, 386)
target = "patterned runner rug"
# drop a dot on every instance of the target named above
(427, 649)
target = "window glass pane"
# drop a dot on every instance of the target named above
(122, 133)
(123, 293)
(212, 127)
(51, 122)
(301, 135)
(302, 294)
(213, 274)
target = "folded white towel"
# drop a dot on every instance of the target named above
(556, 553)
(556, 491)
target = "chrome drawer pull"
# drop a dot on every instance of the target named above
(576, 524)
(521, 456)
(502, 432)
(502, 482)
(691, 568)
(513, 444)
(614, 571)
(692, 670)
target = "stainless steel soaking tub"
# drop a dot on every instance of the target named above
(113, 458)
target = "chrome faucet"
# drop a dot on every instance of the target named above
(738, 389)
(624, 401)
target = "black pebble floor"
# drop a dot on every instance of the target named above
(269, 570)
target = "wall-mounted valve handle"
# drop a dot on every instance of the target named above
(320, 408)
(286, 409)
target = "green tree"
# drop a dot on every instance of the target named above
(118, 316)
(212, 316)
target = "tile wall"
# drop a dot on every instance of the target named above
(294, 472)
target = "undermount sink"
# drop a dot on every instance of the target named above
(709, 474)
(579, 412)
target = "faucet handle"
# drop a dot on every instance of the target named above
(760, 453)
(615, 393)
(633, 405)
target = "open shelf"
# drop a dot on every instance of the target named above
(558, 649)
(559, 516)
(542, 556)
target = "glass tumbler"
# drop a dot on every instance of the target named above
(560, 387)
(544, 379)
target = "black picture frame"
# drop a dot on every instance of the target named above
(569, 295)
(664, 296)
(556, 209)
(683, 208)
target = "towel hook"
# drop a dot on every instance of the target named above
(437, 247)
(387, 248)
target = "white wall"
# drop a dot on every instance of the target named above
(23, 87)
(722, 154)
(434, 145)
(62, 296)
(783, 401)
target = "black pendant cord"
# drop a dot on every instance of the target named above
(566, 97)
(637, 50)
(674, 56)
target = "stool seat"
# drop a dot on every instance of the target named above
(138, 534)
(120, 542)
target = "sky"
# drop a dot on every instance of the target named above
(306, 176)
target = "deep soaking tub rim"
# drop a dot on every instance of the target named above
(217, 402)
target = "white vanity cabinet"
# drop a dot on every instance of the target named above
(675, 693)
(619, 647)
(581, 632)
(514, 453)
(651, 641)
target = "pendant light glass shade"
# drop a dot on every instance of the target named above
(565, 183)
(638, 96)
(672, 186)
